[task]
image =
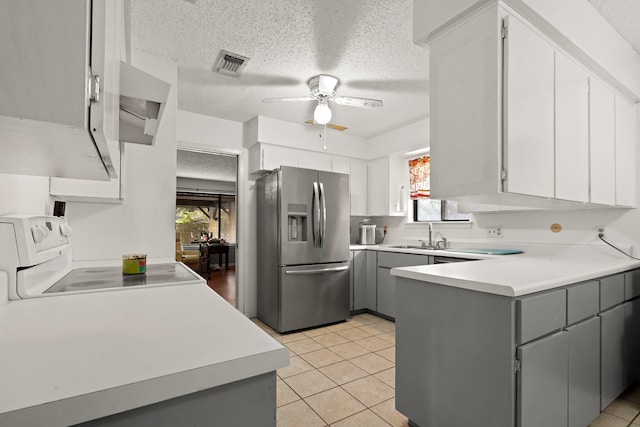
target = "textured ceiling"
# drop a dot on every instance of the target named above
(624, 16)
(206, 166)
(367, 44)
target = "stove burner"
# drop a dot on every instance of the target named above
(88, 279)
(91, 284)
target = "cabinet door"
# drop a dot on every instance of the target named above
(340, 165)
(602, 143)
(47, 51)
(464, 108)
(351, 279)
(378, 174)
(542, 382)
(314, 160)
(584, 372)
(386, 292)
(388, 186)
(359, 280)
(632, 337)
(273, 156)
(613, 375)
(372, 280)
(528, 111)
(625, 124)
(572, 130)
(358, 187)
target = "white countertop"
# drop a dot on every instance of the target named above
(72, 358)
(539, 268)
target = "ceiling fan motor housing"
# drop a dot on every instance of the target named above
(323, 86)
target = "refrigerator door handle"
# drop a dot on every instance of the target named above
(316, 215)
(323, 216)
(318, 270)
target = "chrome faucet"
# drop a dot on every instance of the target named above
(428, 244)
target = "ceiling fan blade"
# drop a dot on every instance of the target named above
(357, 102)
(299, 98)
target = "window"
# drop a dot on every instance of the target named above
(424, 207)
(211, 214)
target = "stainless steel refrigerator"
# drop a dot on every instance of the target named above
(303, 248)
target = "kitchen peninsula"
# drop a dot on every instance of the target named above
(165, 356)
(545, 338)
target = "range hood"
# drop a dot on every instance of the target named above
(142, 101)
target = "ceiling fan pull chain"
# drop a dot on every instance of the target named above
(324, 137)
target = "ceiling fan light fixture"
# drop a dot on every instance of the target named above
(322, 113)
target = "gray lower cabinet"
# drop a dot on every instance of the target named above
(372, 279)
(584, 372)
(386, 292)
(386, 283)
(554, 358)
(632, 339)
(542, 382)
(613, 375)
(358, 280)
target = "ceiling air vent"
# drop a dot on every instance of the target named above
(229, 63)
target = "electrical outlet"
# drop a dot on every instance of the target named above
(600, 230)
(494, 232)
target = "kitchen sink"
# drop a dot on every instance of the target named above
(431, 248)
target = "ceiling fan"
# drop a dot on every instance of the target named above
(323, 89)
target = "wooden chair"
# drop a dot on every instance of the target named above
(190, 258)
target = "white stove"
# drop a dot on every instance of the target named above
(35, 261)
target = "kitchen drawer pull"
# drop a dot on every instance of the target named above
(318, 270)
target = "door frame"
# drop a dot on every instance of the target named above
(242, 216)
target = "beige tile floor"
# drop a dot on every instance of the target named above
(340, 375)
(344, 375)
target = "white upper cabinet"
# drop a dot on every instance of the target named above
(359, 184)
(625, 152)
(388, 186)
(464, 103)
(572, 130)
(602, 143)
(528, 111)
(517, 122)
(59, 87)
(267, 157)
(314, 160)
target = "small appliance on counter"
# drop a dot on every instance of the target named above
(367, 235)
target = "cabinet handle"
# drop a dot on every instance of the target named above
(94, 88)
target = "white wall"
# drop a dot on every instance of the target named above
(23, 194)
(406, 138)
(145, 223)
(306, 137)
(212, 134)
(428, 15)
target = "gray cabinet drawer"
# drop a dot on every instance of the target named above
(611, 291)
(393, 259)
(540, 314)
(631, 284)
(583, 301)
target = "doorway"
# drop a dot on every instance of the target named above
(206, 217)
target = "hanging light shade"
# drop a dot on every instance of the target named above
(322, 113)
